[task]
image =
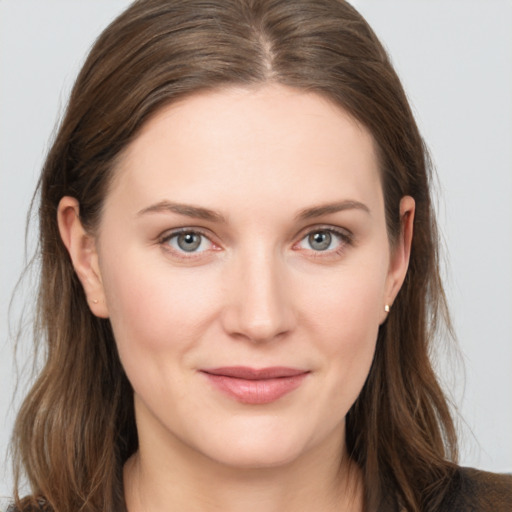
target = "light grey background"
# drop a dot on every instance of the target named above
(455, 59)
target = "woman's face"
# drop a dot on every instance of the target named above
(244, 263)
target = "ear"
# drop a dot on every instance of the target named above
(82, 251)
(401, 252)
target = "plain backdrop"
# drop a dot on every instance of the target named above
(455, 60)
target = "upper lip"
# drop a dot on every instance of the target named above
(247, 373)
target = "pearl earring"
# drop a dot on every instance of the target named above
(386, 308)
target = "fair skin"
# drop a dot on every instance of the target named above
(283, 260)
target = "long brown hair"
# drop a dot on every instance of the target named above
(76, 427)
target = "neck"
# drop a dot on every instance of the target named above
(159, 479)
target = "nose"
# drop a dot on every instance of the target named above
(259, 305)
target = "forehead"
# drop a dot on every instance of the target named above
(259, 144)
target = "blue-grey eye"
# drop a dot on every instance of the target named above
(323, 240)
(189, 241)
(320, 240)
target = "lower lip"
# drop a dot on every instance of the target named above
(259, 391)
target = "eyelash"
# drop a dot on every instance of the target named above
(166, 238)
(345, 240)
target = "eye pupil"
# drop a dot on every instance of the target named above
(320, 240)
(189, 242)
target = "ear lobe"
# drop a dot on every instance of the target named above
(81, 247)
(401, 252)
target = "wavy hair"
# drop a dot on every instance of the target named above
(76, 427)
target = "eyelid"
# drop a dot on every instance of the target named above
(347, 238)
(164, 238)
(337, 230)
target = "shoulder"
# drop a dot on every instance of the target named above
(473, 490)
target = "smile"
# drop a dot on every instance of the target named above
(255, 386)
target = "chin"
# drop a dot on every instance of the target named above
(258, 457)
(265, 445)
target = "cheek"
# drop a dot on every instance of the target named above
(345, 315)
(153, 308)
(349, 302)
(350, 334)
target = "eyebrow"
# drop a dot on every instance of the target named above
(199, 212)
(326, 209)
(188, 210)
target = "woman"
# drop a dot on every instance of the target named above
(239, 275)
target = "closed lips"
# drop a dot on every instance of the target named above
(247, 373)
(255, 386)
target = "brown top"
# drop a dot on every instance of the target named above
(479, 491)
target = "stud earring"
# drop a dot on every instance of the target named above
(386, 308)
(95, 301)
